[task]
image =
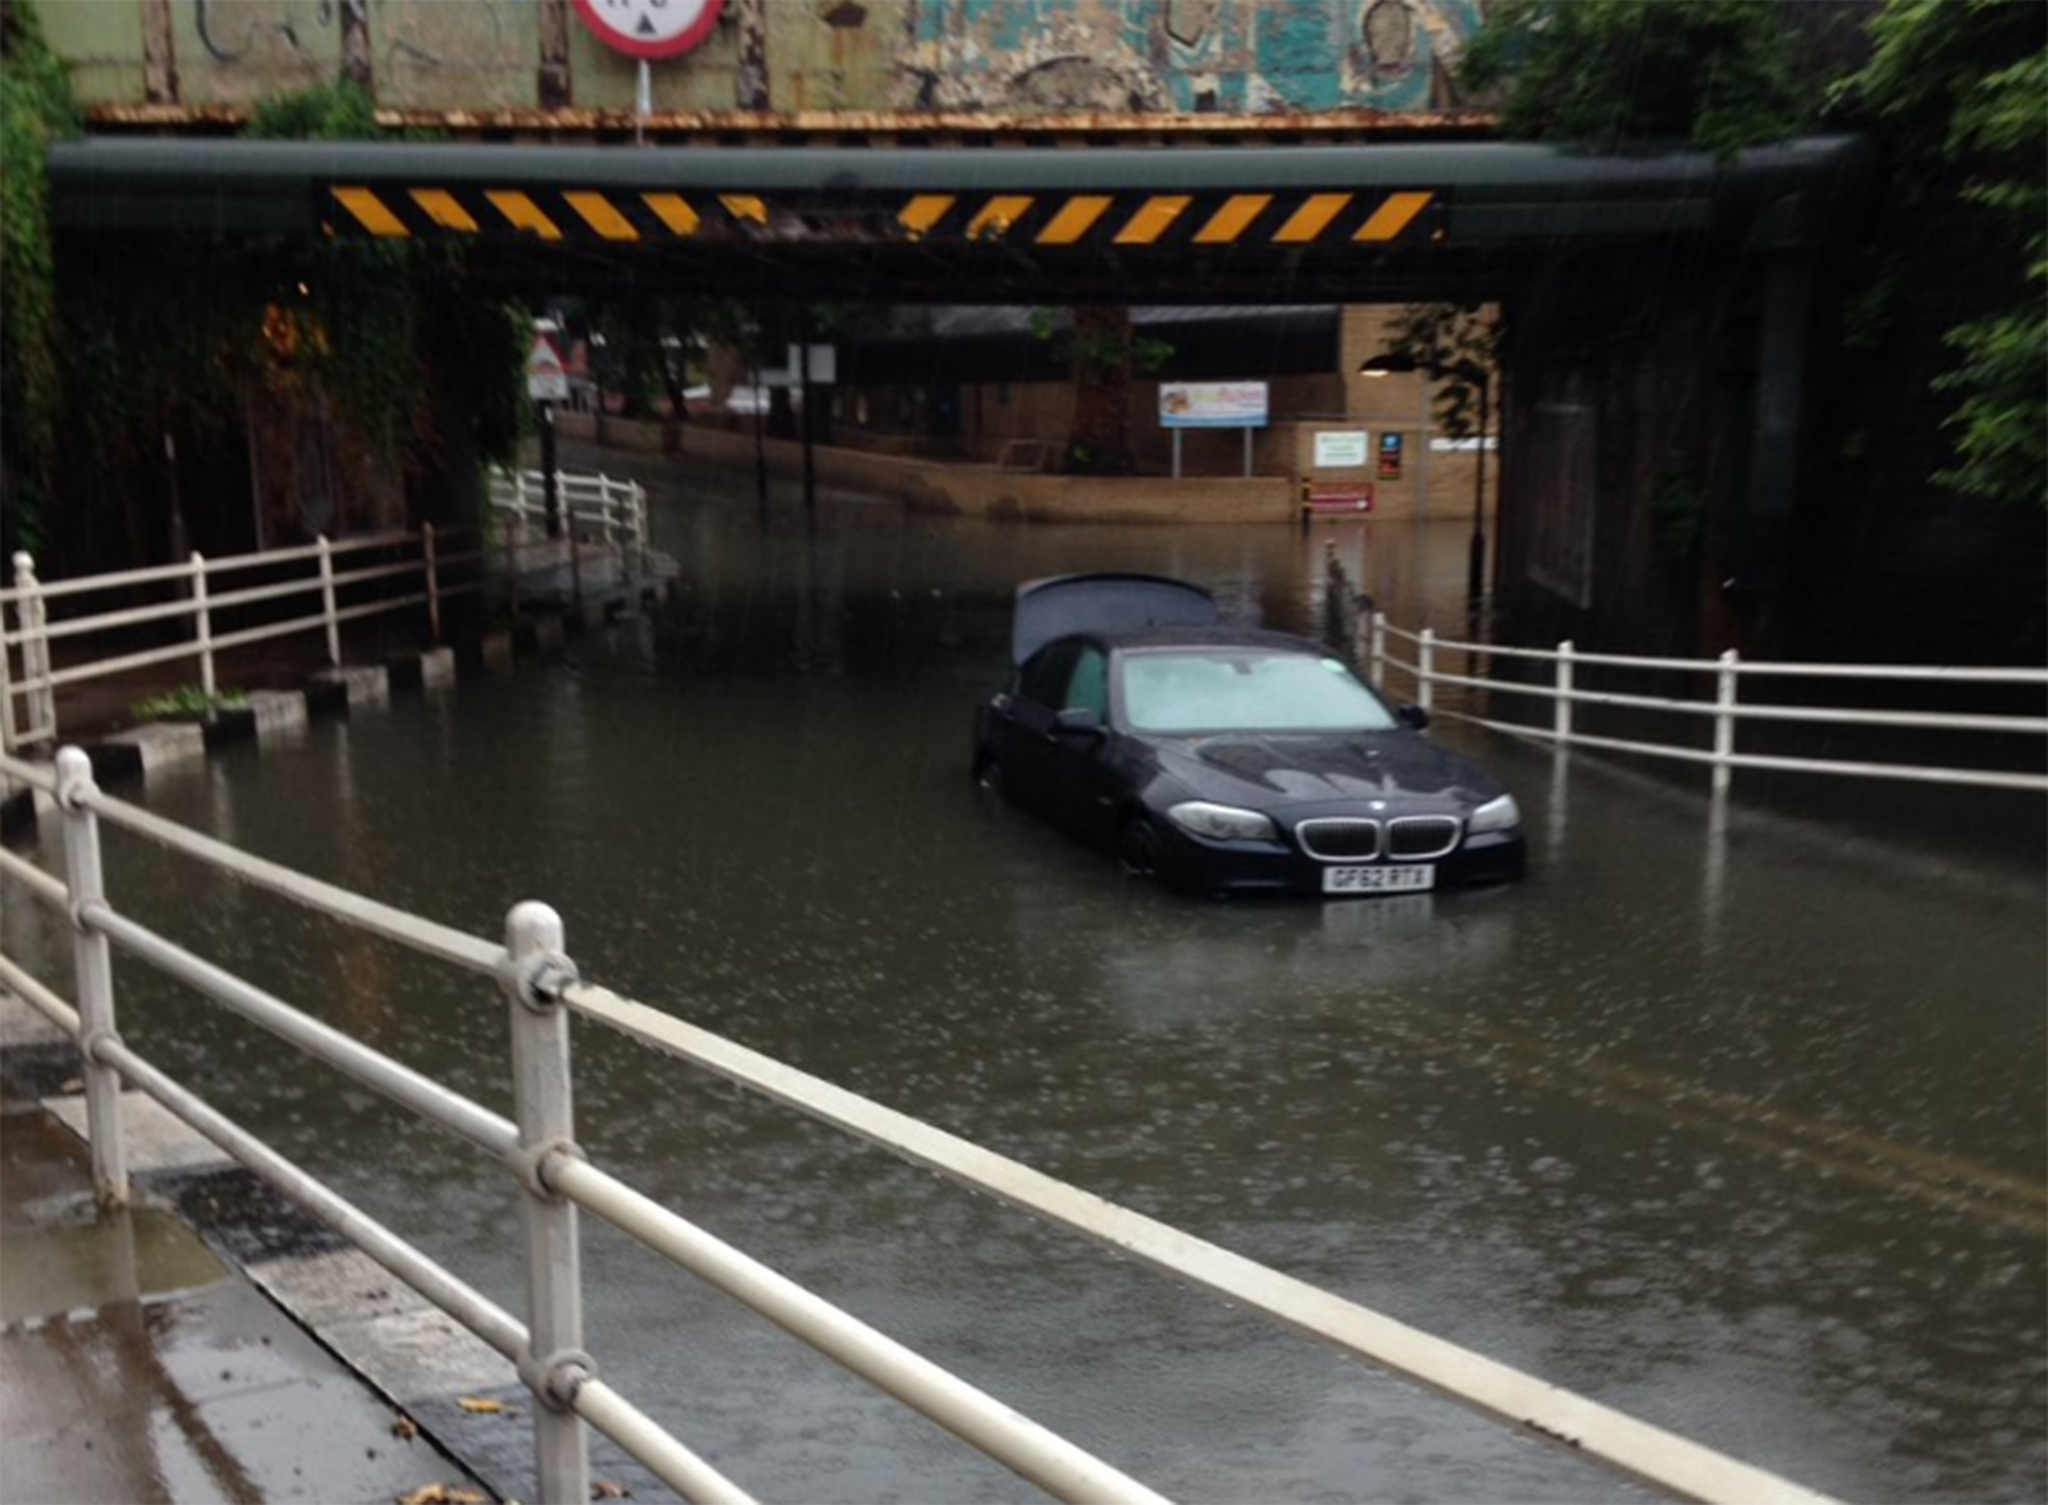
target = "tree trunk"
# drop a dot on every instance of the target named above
(1101, 443)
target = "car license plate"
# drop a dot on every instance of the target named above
(1394, 878)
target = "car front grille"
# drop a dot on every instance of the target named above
(1337, 840)
(1415, 838)
(1405, 838)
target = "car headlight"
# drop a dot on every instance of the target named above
(1222, 822)
(1497, 814)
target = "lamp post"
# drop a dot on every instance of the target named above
(1480, 377)
(1396, 363)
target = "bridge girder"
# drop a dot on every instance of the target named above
(1328, 222)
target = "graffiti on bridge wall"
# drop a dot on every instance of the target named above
(1190, 56)
(971, 56)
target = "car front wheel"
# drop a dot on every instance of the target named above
(1137, 848)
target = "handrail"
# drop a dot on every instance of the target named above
(1724, 712)
(544, 987)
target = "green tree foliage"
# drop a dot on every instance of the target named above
(1607, 73)
(1959, 89)
(35, 108)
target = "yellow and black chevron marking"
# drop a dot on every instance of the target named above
(1171, 219)
(1053, 220)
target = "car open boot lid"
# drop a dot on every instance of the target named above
(1105, 603)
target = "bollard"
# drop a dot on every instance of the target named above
(554, 1365)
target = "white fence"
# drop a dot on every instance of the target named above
(57, 633)
(1705, 727)
(65, 632)
(590, 508)
(537, 1147)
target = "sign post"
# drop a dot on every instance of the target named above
(547, 383)
(1212, 404)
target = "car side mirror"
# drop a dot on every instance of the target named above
(1078, 721)
(1414, 717)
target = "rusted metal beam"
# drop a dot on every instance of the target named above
(863, 127)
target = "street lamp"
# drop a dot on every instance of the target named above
(1475, 374)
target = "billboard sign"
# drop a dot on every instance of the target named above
(1212, 404)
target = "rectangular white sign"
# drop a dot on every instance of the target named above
(1212, 404)
(1341, 449)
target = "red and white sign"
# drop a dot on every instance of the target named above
(547, 379)
(650, 28)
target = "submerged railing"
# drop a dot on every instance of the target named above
(1716, 717)
(587, 508)
(537, 1146)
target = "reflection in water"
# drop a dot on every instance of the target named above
(1694, 1120)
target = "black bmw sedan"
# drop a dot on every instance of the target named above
(1223, 759)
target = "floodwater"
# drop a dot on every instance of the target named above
(1733, 1122)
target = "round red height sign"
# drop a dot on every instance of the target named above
(650, 28)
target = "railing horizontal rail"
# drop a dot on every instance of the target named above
(1983, 778)
(409, 930)
(425, 1097)
(1617, 1439)
(2018, 674)
(1723, 709)
(35, 880)
(1026, 1448)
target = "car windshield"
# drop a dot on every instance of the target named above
(1245, 690)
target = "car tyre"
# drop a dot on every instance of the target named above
(988, 779)
(1137, 848)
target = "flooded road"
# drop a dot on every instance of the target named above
(1744, 1137)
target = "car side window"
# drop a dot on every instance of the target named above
(1088, 689)
(1046, 673)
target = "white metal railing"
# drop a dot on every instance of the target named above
(1724, 708)
(61, 632)
(596, 508)
(537, 1145)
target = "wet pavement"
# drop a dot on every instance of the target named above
(137, 1364)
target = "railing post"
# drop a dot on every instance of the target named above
(555, 1365)
(1561, 709)
(33, 614)
(1724, 719)
(8, 742)
(1366, 636)
(202, 625)
(1377, 658)
(1425, 667)
(430, 566)
(93, 964)
(639, 495)
(327, 601)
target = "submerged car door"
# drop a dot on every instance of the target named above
(1075, 776)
